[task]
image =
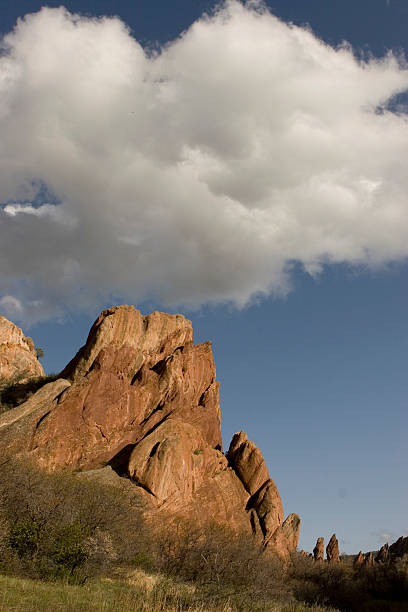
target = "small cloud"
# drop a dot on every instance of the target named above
(11, 307)
(384, 536)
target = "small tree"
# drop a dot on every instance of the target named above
(39, 352)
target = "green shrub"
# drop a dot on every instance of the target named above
(23, 538)
(61, 525)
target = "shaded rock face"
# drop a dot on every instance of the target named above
(368, 560)
(265, 504)
(399, 548)
(18, 359)
(141, 398)
(359, 560)
(318, 551)
(332, 550)
(383, 554)
(247, 461)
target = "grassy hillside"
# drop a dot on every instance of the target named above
(116, 596)
(69, 543)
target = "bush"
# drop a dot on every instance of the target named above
(13, 392)
(368, 589)
(59, 525)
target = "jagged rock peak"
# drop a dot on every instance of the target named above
(359, 560)
(399, 548)
(369, 560)
(383, 554)
(318, 551)
(247, 461)
(18, 359)
(332, 550)
(155, 336)
(142, 400)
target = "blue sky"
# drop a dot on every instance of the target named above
(310, 352)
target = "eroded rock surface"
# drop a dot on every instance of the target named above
(247, 461)
(318, 551)
(141, 399)
(332, 550)
(369, 560)
(383, 554)
(18, 359)
(399, 548)
(359, 560)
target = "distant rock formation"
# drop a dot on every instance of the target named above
(399, 548)
(18, 358)
(318, 551)
(142, 400)
(332, 550)
(383, 554)
(369, 560)
(359, 560)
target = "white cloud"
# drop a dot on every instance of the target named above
(11, 306)
(196, 174)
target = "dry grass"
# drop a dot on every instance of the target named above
(144, 594)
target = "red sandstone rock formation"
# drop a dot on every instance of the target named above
(318, 551)
(18, 359)
(369, 560)
(383, 554)
(359, 560)
(141, 397)
(247, 461)
(332, 550)
(265, 503)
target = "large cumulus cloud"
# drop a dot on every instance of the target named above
(195, 174)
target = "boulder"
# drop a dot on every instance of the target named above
(332, 550)
(18, 358)
(318, 551)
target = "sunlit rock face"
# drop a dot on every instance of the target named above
(18, 359)
(140, 397)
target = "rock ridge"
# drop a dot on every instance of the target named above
(142, 399)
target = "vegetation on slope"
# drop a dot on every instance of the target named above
(70, 543)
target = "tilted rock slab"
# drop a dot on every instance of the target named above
(140, 397)
(318, 551)
(359, 560)
(18, 359)
(265, 504)
(332, 550)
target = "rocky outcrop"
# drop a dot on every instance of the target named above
(399, 549)
(318, 551)
(359, 560)
(265, 504)
(383, 554)
(368, 560)
(141, 399)
(332, 550)
(247, 461)
(285, 539)
(18, 359)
